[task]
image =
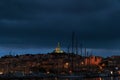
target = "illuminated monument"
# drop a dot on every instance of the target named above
(57, 49)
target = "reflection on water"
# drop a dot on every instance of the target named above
(93, 79)
(99, 78)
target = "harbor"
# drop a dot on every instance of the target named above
(59, 39)
(58, 65)
(46, 77)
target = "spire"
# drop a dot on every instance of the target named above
(57, 49)
(58, 45)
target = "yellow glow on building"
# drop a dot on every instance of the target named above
(57, 49)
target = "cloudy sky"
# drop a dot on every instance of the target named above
(33, 26)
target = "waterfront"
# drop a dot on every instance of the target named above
(98, 78)
(70, 78)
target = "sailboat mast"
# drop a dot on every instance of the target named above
(73, 36)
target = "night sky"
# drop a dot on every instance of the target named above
(35, 26)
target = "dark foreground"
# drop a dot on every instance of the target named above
(61, 78)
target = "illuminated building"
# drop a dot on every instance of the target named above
(93, 60)
(57, 49)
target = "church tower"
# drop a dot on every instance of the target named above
(57, 49)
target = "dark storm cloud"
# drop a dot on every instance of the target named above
(43, 22)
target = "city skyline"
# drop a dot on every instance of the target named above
(35, 25)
